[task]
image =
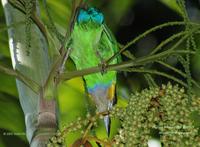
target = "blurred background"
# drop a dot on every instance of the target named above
(127, 19)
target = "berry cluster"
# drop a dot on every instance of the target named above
(167, 110)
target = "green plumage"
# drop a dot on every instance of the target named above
(91, 43)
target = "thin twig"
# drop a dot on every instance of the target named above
(177, 71)
(59, 36)
(157, 73)
(100, 141)
(57, 66)
(84, 138)
(92, 118)
(144, 34)
(28, 82)
(167, 41)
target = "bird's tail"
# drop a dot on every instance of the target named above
(107, 123)
(104, 98)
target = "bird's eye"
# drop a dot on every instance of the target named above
(83, 16)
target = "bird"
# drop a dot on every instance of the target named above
(93, 43)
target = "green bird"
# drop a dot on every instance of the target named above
(93, 43)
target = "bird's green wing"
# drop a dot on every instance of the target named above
(112, 40)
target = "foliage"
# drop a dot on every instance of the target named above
(165, 110)
(149, 110)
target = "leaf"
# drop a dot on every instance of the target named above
(172, 4)
(59, 11)
(71, 98)
(116, 13)
(72, 105)
(4, 49)
(8, 85)
(12, 118)
(2, 143)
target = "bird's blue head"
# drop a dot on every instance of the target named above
(90, 14)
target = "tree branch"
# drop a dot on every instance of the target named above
(123, 65)
(28, 82)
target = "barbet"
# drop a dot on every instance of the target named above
(92, 44)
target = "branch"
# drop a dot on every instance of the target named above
(177, 71)
(146, 33)
(167, 41)
(100, 141)
(157, 73)
(59, 36)
(59, 62)
(8, 71)
(123, 65)
(28, 82)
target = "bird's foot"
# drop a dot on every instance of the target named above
(103, 65)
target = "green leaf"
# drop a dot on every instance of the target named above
(2, 143)
(12, 118)
(59, 11)
(8, 85)
(172, 4)
(72, 105)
